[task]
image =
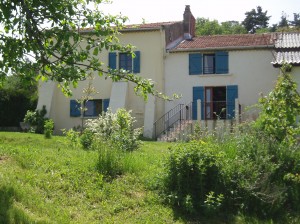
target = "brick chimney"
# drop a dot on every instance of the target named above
(188, 23)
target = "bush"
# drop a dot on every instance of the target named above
(86, 139)
(36, 119)
(48, 128)
(193, 172)
(251, 173)
(117, 129)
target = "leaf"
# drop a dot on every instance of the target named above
(96, 51)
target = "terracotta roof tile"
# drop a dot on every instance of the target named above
(226, 41)
(138, 27)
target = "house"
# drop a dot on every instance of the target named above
(217, 76)
(151, 42)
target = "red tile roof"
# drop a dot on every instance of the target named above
(226, 41)
(139, 27)
(148, 25)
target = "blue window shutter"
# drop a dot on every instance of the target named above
(74, 108)
(231, 95)
(222, 63)
(195, 64)
(112, 60)
(137, 62)
(198, 93)
(105, 104)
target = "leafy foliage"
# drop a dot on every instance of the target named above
(117, 129)
(16, 97)
(36, 119)
(281, 108)
(206, 27)
(256, 19)
(62, 41)
(48, 128)
(250, 173)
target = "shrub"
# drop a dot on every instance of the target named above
(48, 128)
(192, 172)
(72, 137)
(86, 139)
(117, 129)
(36, 119)
(251, 173)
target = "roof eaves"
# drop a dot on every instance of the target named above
(222, 48)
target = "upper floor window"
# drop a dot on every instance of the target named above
(125, 61)
(208, 64)
(216, 63)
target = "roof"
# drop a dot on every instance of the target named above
(287, 48)
(287, 40)
(226, 41)
(290, 57)
(139, 27)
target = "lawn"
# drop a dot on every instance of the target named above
(50, 181)
(47, 181)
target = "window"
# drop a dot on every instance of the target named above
(93, 107)
(125, 61)
(208, 63)
(216, 102)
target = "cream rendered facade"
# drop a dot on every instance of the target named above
(151, 44)
(250, 70)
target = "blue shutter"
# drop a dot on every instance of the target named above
(112, 60)
(136, 62)
(231, 95)
(195, 64)
(198, 93)
(222, 63)
(105, 104)
(74, 108)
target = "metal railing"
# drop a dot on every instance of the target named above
(177, 114)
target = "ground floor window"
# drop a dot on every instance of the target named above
(92, 108)
(217, 102)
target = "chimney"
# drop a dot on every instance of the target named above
(188, 23)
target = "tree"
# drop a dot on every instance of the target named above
(48, 36)
(296, 21)
(283, 22)
(256, 19)
(16, 97)
(206, 27)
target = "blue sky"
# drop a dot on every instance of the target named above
(221, 10)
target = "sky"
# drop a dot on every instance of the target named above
(221, 10)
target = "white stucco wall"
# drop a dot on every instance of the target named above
(251, 70)
(151, 46)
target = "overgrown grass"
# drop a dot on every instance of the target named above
(50, 181)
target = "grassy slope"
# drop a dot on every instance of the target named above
(46, 181)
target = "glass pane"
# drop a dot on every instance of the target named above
(208, 64)
(89, 108)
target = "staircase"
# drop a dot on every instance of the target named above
(174, 125)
